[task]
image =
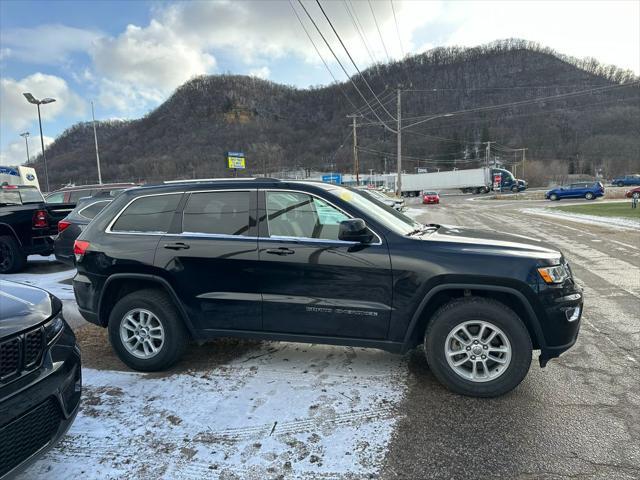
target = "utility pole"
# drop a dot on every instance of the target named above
(487, 154)
(25, 135)
(399, 132)
(95, 138)
(356, 164)
(523, 160)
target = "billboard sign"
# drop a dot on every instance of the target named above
(236, 160)
(333, 178)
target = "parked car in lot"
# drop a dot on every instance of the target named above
(633, 193)
(430, 197)
(391, 201)
(588, 190)
(72, 225)
(626, 180)
(71, 195)
(40, 376)
(27, 225)
(320, 263)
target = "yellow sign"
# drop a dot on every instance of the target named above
(236, 162)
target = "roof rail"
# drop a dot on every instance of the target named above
(235, 179)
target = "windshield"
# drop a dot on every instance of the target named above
(389, 217)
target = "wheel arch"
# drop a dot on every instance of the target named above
(6, 229)
(444, 293)
(120, 284)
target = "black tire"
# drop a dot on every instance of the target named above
(620, 184)
(635, 195)
(515, 189)
(553, 197)
(458, 311)
(589, 196)
(12, 258)
(176, 336)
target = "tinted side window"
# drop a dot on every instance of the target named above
(56, 198)
(148, 214)
(76, 195)
(93, 209)
(291, 214)
(217, 212)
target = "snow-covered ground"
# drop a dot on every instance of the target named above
(279, 410)
(618, 222)
(300, 411)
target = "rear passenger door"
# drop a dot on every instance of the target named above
(210, 255)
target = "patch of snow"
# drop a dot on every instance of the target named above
(290, 410)
(46, 273)
(618, 222)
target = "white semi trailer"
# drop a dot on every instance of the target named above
(19, 175)
(473, 180)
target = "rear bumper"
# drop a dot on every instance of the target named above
(39, 246)
(38, 409)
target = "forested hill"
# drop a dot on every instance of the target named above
(587, 121)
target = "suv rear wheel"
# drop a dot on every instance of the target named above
(12, 258)
(589, 196)
(146, 331)
(478, 347)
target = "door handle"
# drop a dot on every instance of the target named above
(177, 246)
(281, 251)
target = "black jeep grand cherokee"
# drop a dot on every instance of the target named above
(40, 377)
(313, 262)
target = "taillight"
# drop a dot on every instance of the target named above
(62, 225)
(40, 219)
(80, 247)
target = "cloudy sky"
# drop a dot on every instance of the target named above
(129, 56)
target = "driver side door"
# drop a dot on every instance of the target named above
(311, 282)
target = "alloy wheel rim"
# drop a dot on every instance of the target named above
(478, 351)
(142, 333)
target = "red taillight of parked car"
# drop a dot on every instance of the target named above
(80, 247)
(40, 219)
(62, 225)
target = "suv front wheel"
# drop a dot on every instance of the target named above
(478, 347)
(146, 331)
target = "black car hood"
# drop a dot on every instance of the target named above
(490, 241)
(22, 307)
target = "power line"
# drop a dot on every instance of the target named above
(364, 33)
(351, 58)
(342, 66)
(397, 29)
(321, 58)
(353, 21)
(379, 33)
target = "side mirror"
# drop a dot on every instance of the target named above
(354, 230)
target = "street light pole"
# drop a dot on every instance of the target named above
(25, 135)
(31, 99)
(95, 137)
(44, 157)
(399, 145)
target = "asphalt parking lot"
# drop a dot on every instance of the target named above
(240, 409)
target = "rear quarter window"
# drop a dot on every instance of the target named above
(224, 213)
(148, 214)
(93, 209)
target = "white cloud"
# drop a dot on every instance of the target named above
(262, 72)
(17, 113)
(48, 44)
(608, 31)
(15, 153)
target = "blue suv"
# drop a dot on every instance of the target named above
(626, 180)
(588, 190)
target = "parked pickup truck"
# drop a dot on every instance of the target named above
(626, 180)
(27, 225)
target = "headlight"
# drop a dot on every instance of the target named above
(53, 328)
(555, 274)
